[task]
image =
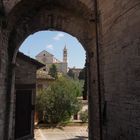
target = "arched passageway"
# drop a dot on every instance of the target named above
(119, 41)
(54, 15)
(43, 46)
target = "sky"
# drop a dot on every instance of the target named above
(54, 43)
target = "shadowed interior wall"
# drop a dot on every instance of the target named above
(3, 79)
(120, 66)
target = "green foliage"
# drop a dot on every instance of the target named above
(59, 101)
(78, 85)
(82, 74)
(70, 73)
(84, 116)
(40, 104)
(53, 71)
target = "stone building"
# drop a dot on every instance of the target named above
(43, 80)
(109, 30)
(49, 59)
(25, 92)
(74, 72)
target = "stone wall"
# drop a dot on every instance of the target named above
(120, 47)
(25, 79)
(9, 4)
(45, 57)
(25, 72)
(93, 94)
(3, 81)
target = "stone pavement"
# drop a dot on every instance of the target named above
(64, 133)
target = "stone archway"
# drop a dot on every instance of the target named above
(26, 19)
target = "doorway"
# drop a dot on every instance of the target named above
(23, 113)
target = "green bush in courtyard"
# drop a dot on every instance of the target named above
(59, 101)
(84, 116)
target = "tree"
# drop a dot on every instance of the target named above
(84, 116)
(82, 74)
(53, 71)
(40, 104)
(71, 73)
(59, 101)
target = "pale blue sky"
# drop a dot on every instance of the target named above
(54, 42)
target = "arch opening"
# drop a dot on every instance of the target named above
(59, 18)
(75, 45)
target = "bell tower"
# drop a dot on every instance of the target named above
(65, 54)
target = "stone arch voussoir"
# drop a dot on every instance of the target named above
(56, 19)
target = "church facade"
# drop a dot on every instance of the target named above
(48, 59)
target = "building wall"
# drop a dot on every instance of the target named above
(3, 80)
(76, 72)
(61, 67)
(25, 79)
(120, 66)
(45, 57)
(25, 72)
(49, 59)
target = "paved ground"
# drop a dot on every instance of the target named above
(65, 133)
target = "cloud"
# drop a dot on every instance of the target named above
(50, 46)
(59, 36)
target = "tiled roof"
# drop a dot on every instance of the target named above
(44, 75)
(29, 59)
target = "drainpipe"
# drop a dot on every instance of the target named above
(98, 67)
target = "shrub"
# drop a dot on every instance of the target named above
(59, 101)
(84, 116)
